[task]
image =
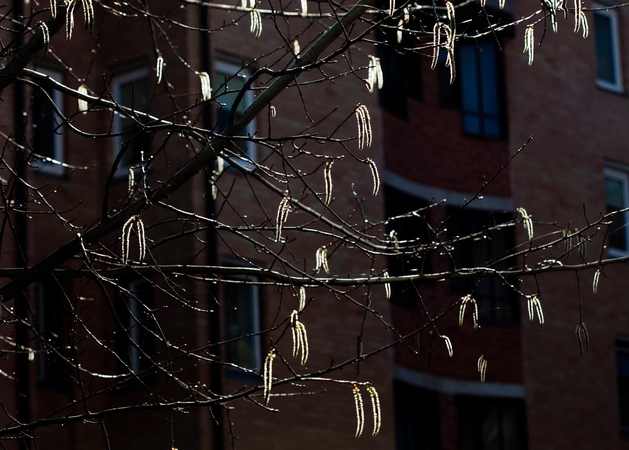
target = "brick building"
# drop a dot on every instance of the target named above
(443, 142)
(432, 141)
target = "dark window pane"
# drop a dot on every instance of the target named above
(615, 193)
(241, 319)
(489, 77)
(469, 73)
(622, 361)
(134, 94)
(416, 418)
(449, 94)
(491, 423)
(492, 127)
(496, 300)
(392, 96)
(412, 233)
(136, 341)
(477, 89)
(471, 123)
(45, 123)
(52, 327)
(605, 53)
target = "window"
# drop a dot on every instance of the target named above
(477, 90)
(52, 328)
(230, 79)
(132, 90)
(416, 418)
(47, 129)
(411, 233)
(241, 318)
(622, 371)
(616, 197)
(401, 71)
(607, 50)
(136, 341)
(496, 300)
(491, 423)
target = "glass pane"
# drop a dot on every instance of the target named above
(134, 94)
(622, 359)
(241, 320)
(615, 200)
(44, 124)
(492, 127)
(605, 52)
(489, 79)
(471, 123)
(490, 428)
(230, 86)
(469, 79)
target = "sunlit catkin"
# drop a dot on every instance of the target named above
(267, 376)
(360, 410)
(482, 367)
(82, 105)
(375, 406)
(529, 43)
(282, 214)
(159, 68)
(374, 175)
(45, 36)
(206, 87)
(527, 222)
(322, 260)
(363, 120)
(327, 176)
(464, 301)
(448, 343)
(581, 329)
(387, 286)
(534, 306)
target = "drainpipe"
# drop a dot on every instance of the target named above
(22, 375)
(216, 377)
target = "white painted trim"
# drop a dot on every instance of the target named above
(227, 69)
(613, 16)
(116, 84)
(452, 198)
(459, 387)
(44, 167)
(624, 179)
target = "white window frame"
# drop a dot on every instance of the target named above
(613, 17)
(222, 68)
(623, 177)
(45, 167)
(254, 299)
(116, 83)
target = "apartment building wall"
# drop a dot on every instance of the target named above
(323, 415)
(576, 123)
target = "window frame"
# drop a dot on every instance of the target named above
(47, 167)
(452, 96)
(604, 84)
(482, 114)
(224, 71)
(500, 306)
(623, 177)
(254, 334)
(473, 410)
(117, 82)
